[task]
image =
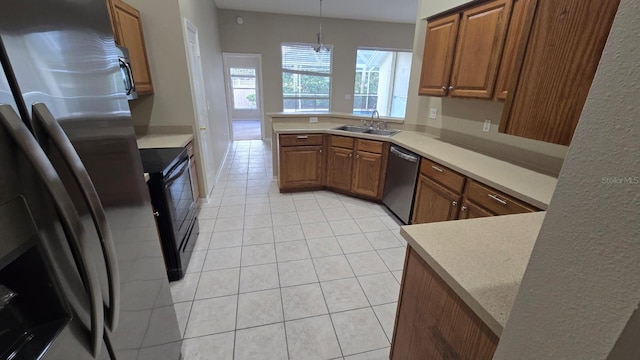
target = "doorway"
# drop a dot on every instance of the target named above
(244, 91)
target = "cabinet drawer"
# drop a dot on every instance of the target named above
(369, 146)
(342, 142)
(300, 140)
(495, 201)
(190, 149)
(443, 175)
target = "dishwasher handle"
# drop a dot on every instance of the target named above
(403, 156)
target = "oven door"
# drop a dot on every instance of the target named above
(180, 201)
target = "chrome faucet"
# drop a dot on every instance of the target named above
(375, 113)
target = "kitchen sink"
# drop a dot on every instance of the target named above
(366, 130)
(350, 128)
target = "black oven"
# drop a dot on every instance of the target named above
(174, 205)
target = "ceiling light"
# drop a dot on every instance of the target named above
(320, 37)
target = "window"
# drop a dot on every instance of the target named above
(306, 78)
(382, 82)
(243, 83)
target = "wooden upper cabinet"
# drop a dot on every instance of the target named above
(367, 173)
(301, 167)
(434, 202)
(556, 68)
(339, 168)
(479, 49)
(127, 30)
(439, 48)
(513, 42)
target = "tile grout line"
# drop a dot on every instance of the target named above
(284, 325)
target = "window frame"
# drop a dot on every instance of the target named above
(329, 75)
(392, 81)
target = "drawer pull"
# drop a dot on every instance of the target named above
(437, 169)
(463, 208)
(302, 137)
(496, 198)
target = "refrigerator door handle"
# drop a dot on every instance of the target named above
(68, 214)
(43, 117)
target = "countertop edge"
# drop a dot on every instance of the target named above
(327, 128)
(163, 141)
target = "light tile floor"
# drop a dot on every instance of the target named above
(311, 275)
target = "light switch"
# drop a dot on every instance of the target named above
(487, 126)
(433, 113)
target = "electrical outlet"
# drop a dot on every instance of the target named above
(433, 113)
(313, 119)
(487, 126)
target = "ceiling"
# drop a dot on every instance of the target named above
(400, 11)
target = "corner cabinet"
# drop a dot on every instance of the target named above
(301, 162)
(127, 31)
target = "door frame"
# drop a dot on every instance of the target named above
(207, 176)
(259, 87)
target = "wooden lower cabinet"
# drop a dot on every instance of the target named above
(301, 167)
(469, 210)
(339, 168)
(433, 322)
(434, 202)
(367, 172)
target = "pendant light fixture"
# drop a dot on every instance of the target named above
(320, 37)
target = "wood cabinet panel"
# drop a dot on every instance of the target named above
(339, 168)
(556, 68)
(300, 139)
(342, 141)
(438, 55)
(469, 210)
(442, 175)
(433, 322)
(495, 201)
(367, 174)
(128, 33)
(479, 48)
(513, 42)
(301, 167)
(369, 146)
(433, 202)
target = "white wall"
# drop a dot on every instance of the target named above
(582, 283)
(172, 102)
(263, 33)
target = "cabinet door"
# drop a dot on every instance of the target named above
(129, 34)
(434, 202)
(556, 69)
(513, 42)
(339, 168)
(367, 170)
(478, 49)
(300, 167)
(469, 210)
(438, 55)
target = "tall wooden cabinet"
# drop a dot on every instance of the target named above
(556, 68)
(127, 31)
(439, 48)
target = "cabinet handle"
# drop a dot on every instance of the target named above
(302, 137)
(437, 168)
(320, 151)
(450, 88)
(350, 154)
(463, 208)
(358, 156)
(454, 203)
(156, 214)
(444, 88)
(496, 198)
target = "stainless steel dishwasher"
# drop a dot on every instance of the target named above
(400, 183)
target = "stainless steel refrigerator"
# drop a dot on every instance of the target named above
(81, 269)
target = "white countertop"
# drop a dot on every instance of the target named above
(155, 141)
(483, 260)
(524, 184)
